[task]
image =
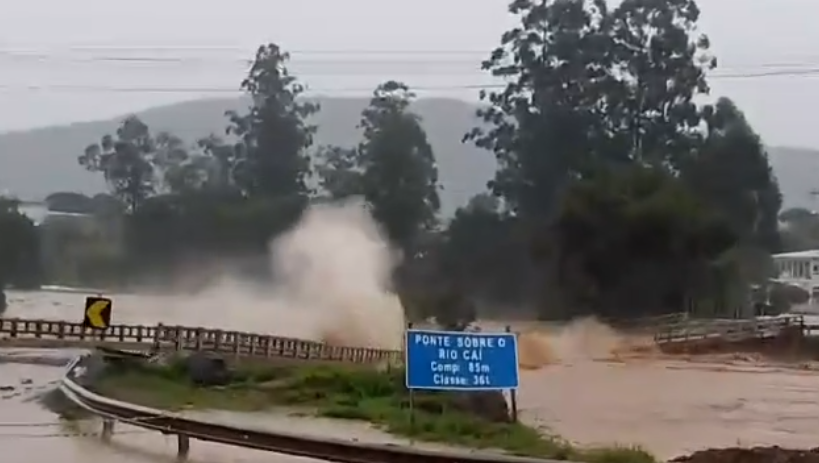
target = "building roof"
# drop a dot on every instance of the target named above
(809, 254)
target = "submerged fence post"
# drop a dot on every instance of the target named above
(107, 429)
(183, 446)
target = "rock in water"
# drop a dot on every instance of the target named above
(88, 370)
(488, 405)
(205, 369)
(55, 401)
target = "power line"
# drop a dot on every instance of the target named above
(245, 50)
(169, 89)
(422, 66)
(349, 58)
(138, 89)
(426, 54)
(211, 60)
(781, 72)
(45, 57)
(302, 68)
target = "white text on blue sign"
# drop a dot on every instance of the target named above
(437, 360)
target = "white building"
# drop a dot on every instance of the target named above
(800, 269)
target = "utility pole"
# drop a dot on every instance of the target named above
(637, 126)
(813, 194)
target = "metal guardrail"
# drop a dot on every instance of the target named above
(729, 330)
(185, 429)
(18, 332)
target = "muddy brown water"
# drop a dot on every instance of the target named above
(585, 393)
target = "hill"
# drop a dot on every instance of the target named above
(36, 162)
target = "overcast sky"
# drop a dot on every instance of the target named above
(53, 66)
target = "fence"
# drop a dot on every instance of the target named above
(52, 333)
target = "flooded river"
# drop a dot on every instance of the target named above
(669, 406)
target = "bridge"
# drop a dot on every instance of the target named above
(58, 334)
(670, 332)
(705, 333)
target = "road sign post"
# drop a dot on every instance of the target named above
(513, 393)
(97, 313)
(461, 361)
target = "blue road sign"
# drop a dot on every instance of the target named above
(447, 360)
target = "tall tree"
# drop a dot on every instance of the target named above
(590, 84)
(732, 173)
(399, 171)
(125, 161)
(393, 167)
(659, 68)
(592, 130)
(274, 132)
(544, 125)
(19, 247)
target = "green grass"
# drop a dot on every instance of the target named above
(351, 393)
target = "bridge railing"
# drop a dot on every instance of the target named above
(725, 329)
(60, 329)
(183, 338)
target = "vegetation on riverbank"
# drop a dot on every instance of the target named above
(346, 392)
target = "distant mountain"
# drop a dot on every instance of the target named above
(37, 162)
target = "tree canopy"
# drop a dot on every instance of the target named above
(19, 247)
(393, 167)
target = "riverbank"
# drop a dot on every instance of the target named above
(350, 393)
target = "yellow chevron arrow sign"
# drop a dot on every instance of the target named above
(97, 312)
